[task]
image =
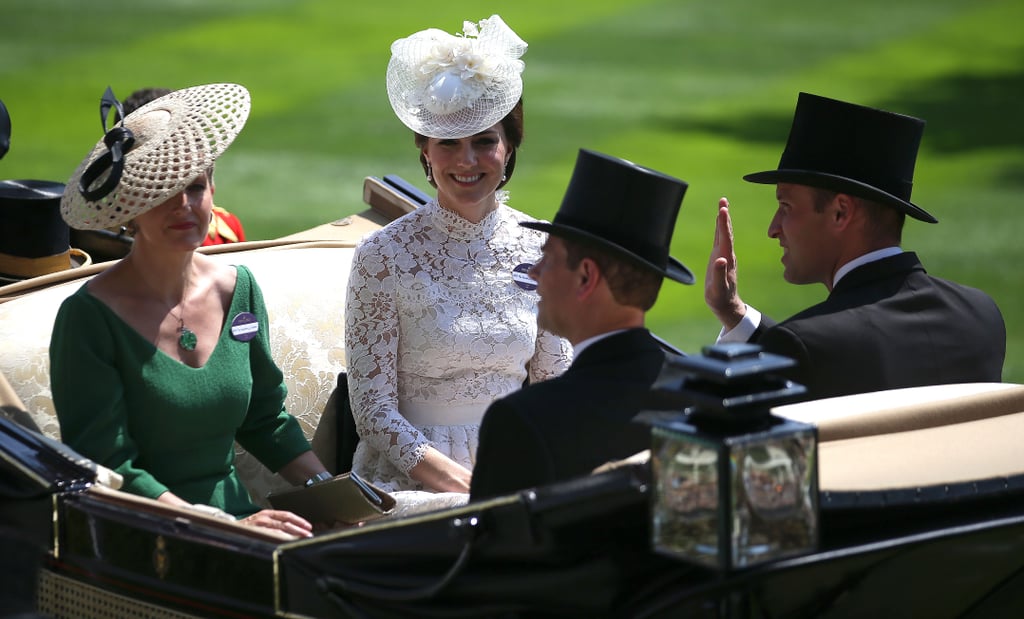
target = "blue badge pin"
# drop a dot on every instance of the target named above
(521, 278)
(244, 326)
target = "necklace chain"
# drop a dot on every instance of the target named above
(187, 339)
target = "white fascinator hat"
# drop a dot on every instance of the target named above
(453, 86)
(153, 153)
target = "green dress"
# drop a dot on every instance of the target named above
(164, 425)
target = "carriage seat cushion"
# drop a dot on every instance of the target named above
(304, 289)
(918, 437)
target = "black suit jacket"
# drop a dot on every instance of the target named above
(566, 426)
(886, 325)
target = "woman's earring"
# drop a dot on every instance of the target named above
(504, 175)
(430, 176)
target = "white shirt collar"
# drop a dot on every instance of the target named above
(878, 254)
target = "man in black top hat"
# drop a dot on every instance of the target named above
(604, 261)
(34, 240)
(843, 189)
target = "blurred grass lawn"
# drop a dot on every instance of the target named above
(701, 90)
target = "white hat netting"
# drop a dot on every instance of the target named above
(453, 86)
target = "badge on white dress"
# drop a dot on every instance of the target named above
(521, 278)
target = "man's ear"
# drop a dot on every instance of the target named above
(842, 210)
(588, 278)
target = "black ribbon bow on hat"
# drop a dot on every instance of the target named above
(5, 130)
(118, 140)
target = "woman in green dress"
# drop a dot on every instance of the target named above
(162, 361)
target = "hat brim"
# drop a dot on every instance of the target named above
(675, 270)
(177, 137)
(841, 184)
(77, 258)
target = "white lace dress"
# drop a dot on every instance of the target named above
(435, 330)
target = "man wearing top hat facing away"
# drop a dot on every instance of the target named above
(604, 261)
(843, 189)
(34, 240)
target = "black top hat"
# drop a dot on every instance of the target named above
(34, 239)
(621, 206)
(5, 130)
(852, 149)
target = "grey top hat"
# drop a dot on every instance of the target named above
(862, 151)
(623, 207)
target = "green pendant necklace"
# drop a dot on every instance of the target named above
(186, 338)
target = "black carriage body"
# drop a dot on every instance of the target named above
(575, 549)
(580, 549)
(101, 549)
(164, 559)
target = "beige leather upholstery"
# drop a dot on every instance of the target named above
(910, 438)
(304, 288)
(916, 437)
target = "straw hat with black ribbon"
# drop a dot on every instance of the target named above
(153, 153)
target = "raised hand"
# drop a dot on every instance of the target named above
(720, 287)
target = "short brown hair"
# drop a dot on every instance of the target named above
(512, 123)
(631, 282)
(884, 221)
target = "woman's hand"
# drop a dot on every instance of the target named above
(278, 520)
(440, 473)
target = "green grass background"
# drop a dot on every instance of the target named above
(700, 89)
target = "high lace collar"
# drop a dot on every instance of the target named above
(457, 226)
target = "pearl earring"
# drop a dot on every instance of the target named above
(430, 176)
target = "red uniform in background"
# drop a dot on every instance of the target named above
(224, 228)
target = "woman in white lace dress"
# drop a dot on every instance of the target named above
(439, 319)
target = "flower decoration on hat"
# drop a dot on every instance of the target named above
(452, 86)
(173, 139)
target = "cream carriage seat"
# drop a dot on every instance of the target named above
(910, 438)
(304, 288)
(916, 437)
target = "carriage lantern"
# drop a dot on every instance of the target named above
(733, 485)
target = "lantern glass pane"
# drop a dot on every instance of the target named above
(685, 507)
(774, 497)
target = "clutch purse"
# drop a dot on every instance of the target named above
(344, 498)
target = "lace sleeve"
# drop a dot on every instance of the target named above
(551, 357)
(371, 348)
